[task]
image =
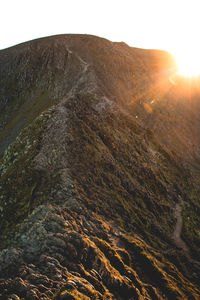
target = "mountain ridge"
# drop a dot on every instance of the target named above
(92, 174)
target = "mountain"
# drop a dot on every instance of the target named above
(99, 164)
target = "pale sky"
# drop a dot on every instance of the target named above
(154, 24)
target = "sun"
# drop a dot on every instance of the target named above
(188, 62)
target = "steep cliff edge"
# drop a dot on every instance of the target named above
(99, 147)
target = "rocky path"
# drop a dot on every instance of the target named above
(177, 232)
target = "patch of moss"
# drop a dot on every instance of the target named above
(125, 204)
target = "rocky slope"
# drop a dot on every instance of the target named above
(99, 186)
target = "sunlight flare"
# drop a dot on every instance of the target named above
(188, 61)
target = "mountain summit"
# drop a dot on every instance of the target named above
(99, 164)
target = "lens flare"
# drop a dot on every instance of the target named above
(188, 62)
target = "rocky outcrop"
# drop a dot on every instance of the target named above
(96, 145)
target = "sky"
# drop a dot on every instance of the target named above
(152, 24)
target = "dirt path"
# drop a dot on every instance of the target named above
(177, 232)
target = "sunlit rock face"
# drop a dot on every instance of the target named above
(99, 185)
